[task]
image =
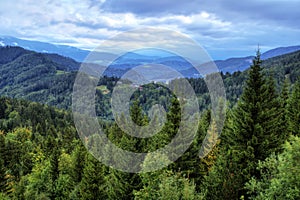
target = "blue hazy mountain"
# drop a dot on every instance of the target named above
(240, 64)
(140, 57)
(43, 47)
(280, 51)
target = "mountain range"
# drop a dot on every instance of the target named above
(132, 59)
(49, 78)
(43, 47)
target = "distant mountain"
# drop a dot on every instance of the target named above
(231, 65)
(49, 78)
(279, 51)
(9, 54)
(68, 51)
(133, 59)
(234, 64)
(240, 64)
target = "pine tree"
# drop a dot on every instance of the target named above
(294, 110)
(174, 118)
(280, 174)
(136, 114)
(65, 182)
(92, 183)
(168, 185)
(54, 171)
(39, 184)
(78, 158)
(283, 111)
(120, 185)
(2, 163)
(252, 137)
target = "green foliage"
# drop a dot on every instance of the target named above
(293, 110)
(254, 134)
(166, 185)
(92, 182)
(41, 156)
(33, 76)
(280, 175)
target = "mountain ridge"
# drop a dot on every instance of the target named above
(43, 78)
(134, 59)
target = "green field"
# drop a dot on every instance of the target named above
(59, 72)
(103, 89)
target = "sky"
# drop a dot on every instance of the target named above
(224, 28)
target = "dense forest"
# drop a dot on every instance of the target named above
(49, 79)
(256, 157)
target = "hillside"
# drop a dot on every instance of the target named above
(133, 59)
(49, 78)
(42, 156)
(34, 76)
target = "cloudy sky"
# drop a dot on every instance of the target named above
(225, 28)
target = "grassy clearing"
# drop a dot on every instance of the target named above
(59, 72)
(103, 89)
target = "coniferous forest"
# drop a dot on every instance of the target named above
(257, 155)
(149, 100)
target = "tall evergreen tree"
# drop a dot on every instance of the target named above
(78, 158)
(2, 163)
(252, 137)
(120, 185)
(92, 185)
(294, 110)
(284, 96)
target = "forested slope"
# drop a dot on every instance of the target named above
(256, 157)
(49, 78)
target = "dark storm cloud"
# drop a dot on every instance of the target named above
(151, 7)
(276, 11)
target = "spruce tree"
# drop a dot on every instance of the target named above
(2, 163)
(280, 174)
(252, 137)
(120, 185)
(92, 185)
(294, 110)
(283, 111)
(78, 157)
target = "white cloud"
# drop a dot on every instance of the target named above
(59, 20)
(86, 23)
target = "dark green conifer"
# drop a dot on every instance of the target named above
(252, 137)
(294, 110)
